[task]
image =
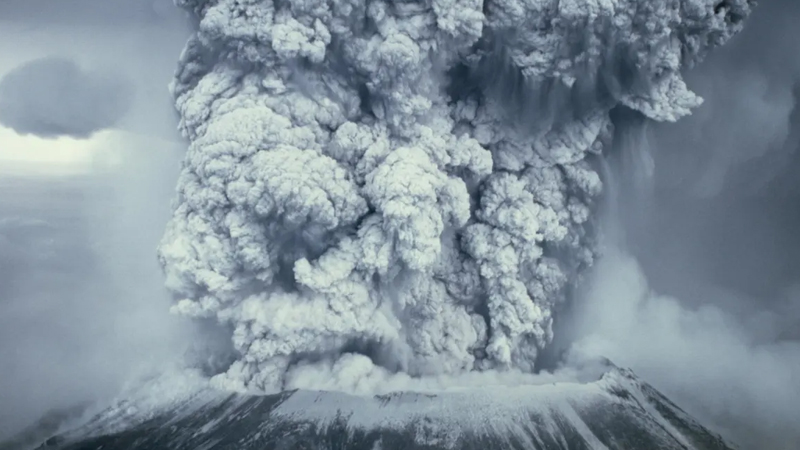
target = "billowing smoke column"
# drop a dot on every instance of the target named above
(406, 186)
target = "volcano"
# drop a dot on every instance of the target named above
(615, 411)
(382, 191)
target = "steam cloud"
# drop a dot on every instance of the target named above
(53, 96)
(382, 187)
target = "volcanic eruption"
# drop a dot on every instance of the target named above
(383, 211)
(384, 190)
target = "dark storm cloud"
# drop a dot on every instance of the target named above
(52, 97)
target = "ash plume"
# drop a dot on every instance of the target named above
(391, 187)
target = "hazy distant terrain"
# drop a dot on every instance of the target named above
(48, 269)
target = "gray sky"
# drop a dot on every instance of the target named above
(133, 42)
(82, 306)
(90, 13)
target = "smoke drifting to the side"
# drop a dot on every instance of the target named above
(702, 298)
(378, 188)
(718, 364)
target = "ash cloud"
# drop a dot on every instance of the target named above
(54, 96)
(406, 188)
(701, 297)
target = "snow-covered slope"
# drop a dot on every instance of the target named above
(617, 411)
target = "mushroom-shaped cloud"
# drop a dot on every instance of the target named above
(52, 97)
